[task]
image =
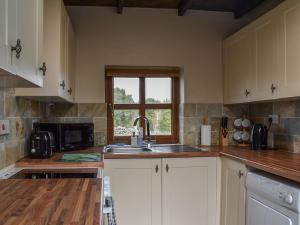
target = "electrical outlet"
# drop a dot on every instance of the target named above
(4, 127)
(275, 118)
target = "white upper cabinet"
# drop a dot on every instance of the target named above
(239, 58)
(269, 56)
(21, 41)
(276, 57)
(59, 43)
(291, 14)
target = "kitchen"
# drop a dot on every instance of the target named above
(212, 86)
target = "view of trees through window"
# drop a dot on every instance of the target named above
(126, 91)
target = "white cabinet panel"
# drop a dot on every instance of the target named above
(269, 57)
(136, 189)
(233, 193)
(28, 13)
(239, 58)
(56, 46)
(190, 191)
(21, 20)
(292, 48)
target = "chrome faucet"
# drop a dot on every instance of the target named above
(147, 136)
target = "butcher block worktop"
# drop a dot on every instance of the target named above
(279, 162)
(54, 201)
(54, 162)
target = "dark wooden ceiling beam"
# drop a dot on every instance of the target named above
(120, 6)
(183, 7)
(243, 7)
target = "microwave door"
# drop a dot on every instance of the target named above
(76, 136)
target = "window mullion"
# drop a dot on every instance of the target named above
(142, 100)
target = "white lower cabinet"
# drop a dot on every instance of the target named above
(136, 189)
(233, 201)
(190, 191)
(181, 191)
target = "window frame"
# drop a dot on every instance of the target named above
(142, 106)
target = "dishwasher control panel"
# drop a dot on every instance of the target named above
(284, 193)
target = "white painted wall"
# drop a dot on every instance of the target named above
(151, 37)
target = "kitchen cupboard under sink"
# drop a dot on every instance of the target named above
(168, 191)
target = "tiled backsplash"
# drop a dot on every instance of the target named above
(287, 132)
(79, 113)
(20, 112)
(192, 116)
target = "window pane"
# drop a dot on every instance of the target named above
(126, 90)
(123, 122)
(160, 119)
(158, 90)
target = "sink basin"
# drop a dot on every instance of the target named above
(127, 149)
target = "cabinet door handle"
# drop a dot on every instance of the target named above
(17, 49)
(62, 84)
(70, 91)
(273, 88)
(247, 93)
(43, 68)
(167, 168)
(156, 169)
(241, 173)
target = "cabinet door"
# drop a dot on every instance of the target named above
(63, 53)
(8, 26)
(239, 54)
(292, 45)
(233, 193)
(136, 189)
(29, 25)
(270, 56)
(70, 60)
(190, 191)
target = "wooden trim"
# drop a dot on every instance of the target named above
(142, 107)
(141, 71)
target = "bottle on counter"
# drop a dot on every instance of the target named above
(140, 136)
(134, 139)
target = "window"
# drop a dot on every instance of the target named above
(142, 93)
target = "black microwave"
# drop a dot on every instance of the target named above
(70, 136)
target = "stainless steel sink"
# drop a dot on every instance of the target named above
(127, 149)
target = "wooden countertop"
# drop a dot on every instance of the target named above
(56, 201)
(54, 163)
(281, 163)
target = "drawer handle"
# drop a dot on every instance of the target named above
(273, 88)
(156, 169)
(241, 173)
(43, 68)
(17, 49)
(247, 92)
(63, 84)
(70, 91)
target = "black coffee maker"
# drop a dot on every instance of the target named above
(41, 143)
(259, 137)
